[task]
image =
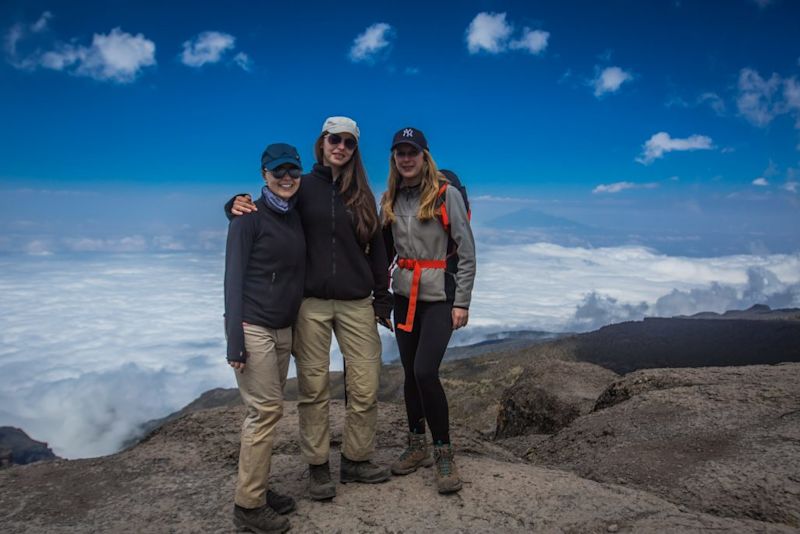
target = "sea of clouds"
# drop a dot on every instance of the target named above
(91, 346)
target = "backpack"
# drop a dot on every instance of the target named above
(452, 181)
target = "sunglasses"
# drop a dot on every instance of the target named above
(335, 140)
(293, 172)
(409, 153)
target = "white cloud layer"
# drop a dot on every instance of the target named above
(609, 80)
(661, 143)
(533, 41)
(91, 346)
(761, 181)
(488, 32)
(371, 43)
(616, 187)
(207, 47)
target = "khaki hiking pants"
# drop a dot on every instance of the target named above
(261, 386)
(353, 322)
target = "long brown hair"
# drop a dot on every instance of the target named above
(429, 189)
(355, 191)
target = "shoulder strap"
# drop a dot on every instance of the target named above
(443, 217)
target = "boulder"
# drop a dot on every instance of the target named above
(719, 440)
(549, 395)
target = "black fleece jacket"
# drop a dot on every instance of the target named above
(264, 271)
(338, 267)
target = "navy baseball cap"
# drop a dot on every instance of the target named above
(279, 154)
(412, 136)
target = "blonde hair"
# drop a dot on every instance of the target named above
(355, 191)
(429, 189)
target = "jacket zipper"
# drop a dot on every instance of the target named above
(333, 228)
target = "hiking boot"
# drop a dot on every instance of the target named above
(261, 520)
(364, 471)
(282, 504)
(446, 471)
(320, 485)
(417, 454)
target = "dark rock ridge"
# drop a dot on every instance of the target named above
(16, 447)
(656, 342)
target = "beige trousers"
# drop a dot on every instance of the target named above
(353, 322)
(261, 386)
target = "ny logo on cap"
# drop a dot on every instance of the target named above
(408, 132)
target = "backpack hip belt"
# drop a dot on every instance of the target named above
(416, 266)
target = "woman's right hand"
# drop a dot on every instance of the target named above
(238, 366)
(243, 204)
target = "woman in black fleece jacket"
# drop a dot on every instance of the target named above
(346, 292)
(264, 271)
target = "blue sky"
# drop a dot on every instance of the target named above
(634, 117)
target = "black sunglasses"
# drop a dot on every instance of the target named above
(294, 172)
(335, 140)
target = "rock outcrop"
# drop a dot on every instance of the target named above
(16, 447)
(549, 395)
(724, 441)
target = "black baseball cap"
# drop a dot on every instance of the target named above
(279, 154)
(412, 136)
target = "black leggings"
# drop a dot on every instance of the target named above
(421, 352)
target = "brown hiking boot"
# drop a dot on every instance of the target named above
(261, 520)
(320, 485)
(416, 454)
(364, 471)
(446, 471)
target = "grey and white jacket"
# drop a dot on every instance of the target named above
(428, 240)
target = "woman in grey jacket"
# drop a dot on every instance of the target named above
(432, 285)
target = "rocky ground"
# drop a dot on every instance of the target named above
(181, 479)
(546, 440)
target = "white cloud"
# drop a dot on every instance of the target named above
(368, 45)
(243, 61)
(791, 186)
(661, 143)
(41, 24)
(761, 181)
(107, 328)
(207, 47)
(411, 71)
(488, 32)
(19, 31)
(761, 100)
(116, 56)
(616, 187)
(534, 41)
(714, 101)
(609, 80)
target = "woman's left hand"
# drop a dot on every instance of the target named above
(460, 317)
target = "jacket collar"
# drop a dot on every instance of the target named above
(322, 172)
